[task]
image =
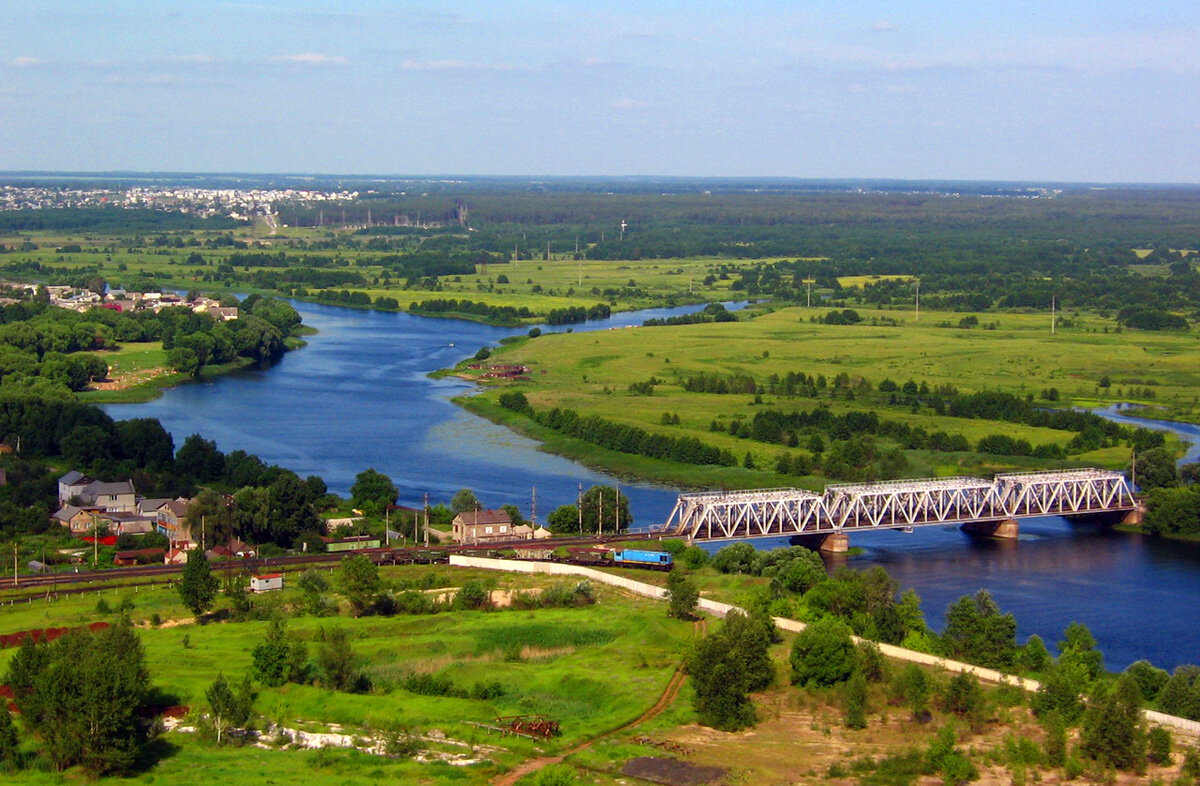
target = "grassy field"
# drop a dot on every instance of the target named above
(592, 372)
(592, 669)
(541, 285)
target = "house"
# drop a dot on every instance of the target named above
(527, 532)
(118, 497)
(266, 582)
(481, 526)
(176, 556)
(148, 506)
(138, 556)
(75, 519)
(71, 485)
(171, 519)
(333, 525)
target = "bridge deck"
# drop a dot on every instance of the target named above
(898, 504)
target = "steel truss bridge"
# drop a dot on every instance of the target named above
(898, 504)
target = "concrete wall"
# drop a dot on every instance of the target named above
(716, 608)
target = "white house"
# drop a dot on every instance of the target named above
(266, 582)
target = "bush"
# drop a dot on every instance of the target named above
(823, 654)
(472, 595)
(1158, 745)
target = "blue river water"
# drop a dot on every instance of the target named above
(358, 396)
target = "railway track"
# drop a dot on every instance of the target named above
(63, 583)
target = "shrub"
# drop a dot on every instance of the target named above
(823, 654)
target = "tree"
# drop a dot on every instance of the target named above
(80, 696)
(605, 510)
(10, 743)
(682, 595)
(1181, 695)
(197, 586)
(1150, 678)
(564, 520)
(337, 659)
(228, 709)
(1158, 745)
(1079, 643)
(976, 631)
(748, 640)
(514, 514)
(1035, 656)
(823, 654)
(963, 695)
(280, 657)
(359, 580)
(1061, 690)
(856, 702)
(720, 685)
(464, 500)
(912, 684)
(1155, 468)
(373, 490)
(1112, 731)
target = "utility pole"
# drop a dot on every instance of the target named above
(95, 543)
(533, 510)
(579, 508)
(15, 581)
(808, 282)
(600, 517)
(387, 525)
(427, 518)
(617, 510)
(1052, 319)
(917, 318)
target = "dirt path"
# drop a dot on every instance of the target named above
(665, 700)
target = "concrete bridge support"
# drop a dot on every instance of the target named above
(1007, 529)
(835, 543)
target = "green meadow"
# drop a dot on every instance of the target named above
(592, 372)
(592, 669)
(539, 284)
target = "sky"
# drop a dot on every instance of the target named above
(1051, 90)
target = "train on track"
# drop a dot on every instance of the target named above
(578, 551)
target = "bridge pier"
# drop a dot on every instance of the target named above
(835, 543)
(1006, 529)
(1135, 516)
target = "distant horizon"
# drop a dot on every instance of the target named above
(598, 178)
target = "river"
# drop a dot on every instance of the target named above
(358, 396)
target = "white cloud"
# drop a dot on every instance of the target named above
(24, 61)
(628, 103)
(313, 58)
(884, 26)
(191, 59)
(453, 65)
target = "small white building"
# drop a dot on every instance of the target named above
(266, 582)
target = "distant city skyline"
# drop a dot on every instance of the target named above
(1020, 91)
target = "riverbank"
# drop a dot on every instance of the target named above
(153, 385)
(624, 465)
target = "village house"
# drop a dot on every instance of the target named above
(77, 520)
(481, 526)
(75, 488)
(172, 520)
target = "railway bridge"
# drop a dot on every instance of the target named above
(985, 507)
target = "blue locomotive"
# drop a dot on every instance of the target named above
(658, 560)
